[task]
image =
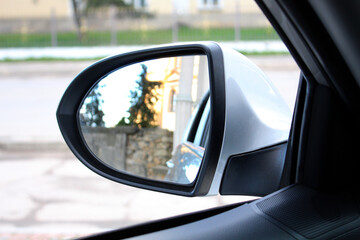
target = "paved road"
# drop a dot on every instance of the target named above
(29, 97)
(49, 192)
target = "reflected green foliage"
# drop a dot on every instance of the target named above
(93, 115)
(143, 100)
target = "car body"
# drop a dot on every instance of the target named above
(318, 196)
(191, 151)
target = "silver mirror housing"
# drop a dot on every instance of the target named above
(257, 125)
(247, 116)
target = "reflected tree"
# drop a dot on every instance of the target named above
(143, 99)
(93, 114)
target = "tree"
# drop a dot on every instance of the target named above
(96, 4)
(82, 7)
(93, 115)
(143, 100)
(77, 17)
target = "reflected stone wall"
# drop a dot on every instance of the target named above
(142, 152)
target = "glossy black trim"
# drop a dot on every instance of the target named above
(289, 174)
(77, 90)
(255, 173)
(163, 224)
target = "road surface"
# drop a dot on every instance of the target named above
(45, 191)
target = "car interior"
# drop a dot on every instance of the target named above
(313, 193)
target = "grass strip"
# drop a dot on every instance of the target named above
(150, 37)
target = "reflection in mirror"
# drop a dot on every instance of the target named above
(135, 117)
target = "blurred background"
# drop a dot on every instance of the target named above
(45, 193)
(39, 23)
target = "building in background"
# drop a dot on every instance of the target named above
(35, 15)
(25, 16)
(34, 9)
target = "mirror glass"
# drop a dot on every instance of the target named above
(135, 119)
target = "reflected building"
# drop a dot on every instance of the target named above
(184, 81)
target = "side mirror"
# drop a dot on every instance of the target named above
(128, 118)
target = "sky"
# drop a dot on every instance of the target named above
(115, 88)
